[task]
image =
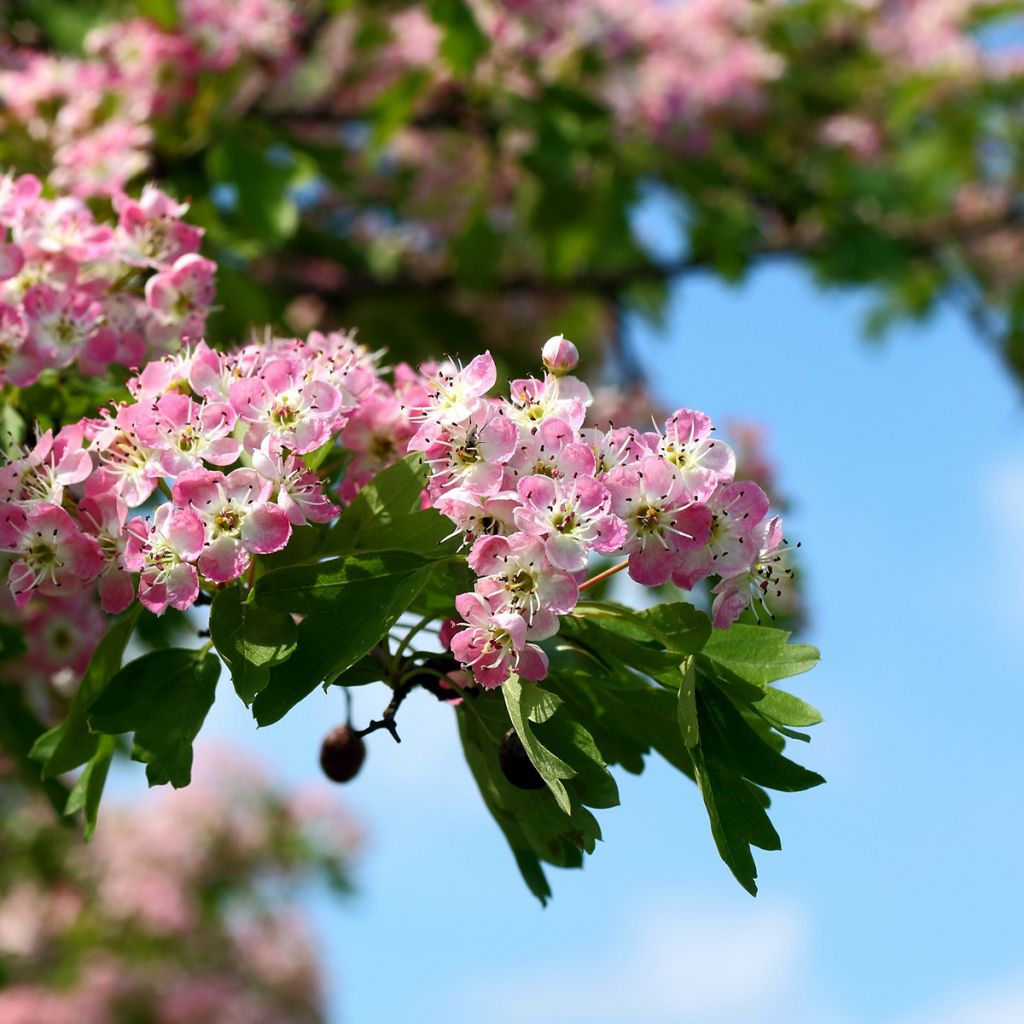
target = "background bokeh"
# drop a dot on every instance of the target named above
(588, 171)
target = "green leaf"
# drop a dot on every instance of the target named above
(757, 654)
(611, 634)
(681, 627)
(163, 12)
(71, 743)
(738, 819)
(88, 789)
(386, 513)
(20, 730)
(250, 639)
(782, 708)
(349, 604)
(532, 704)
(12, 642)
(747, 752)
(462, 41)
(241, 158)
(481, 749)
(687, 707)
(163, 698)
(394, 106)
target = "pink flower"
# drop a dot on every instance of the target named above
(736, 510)
(58, 324)
(12, 259)
(103, 517)
(455, 393)
(752, 584)
(617, 447)
(661, 519)
(52, 465)
(162, 551)
(150, 230)
(550, 448)
(185, 433)
(238, 516)
(128, 467)
(479, 515)
(55, 557)
(470, 455)
(284, 406)
(703, 462)
(493, 645)
(299, 490)
(182, 295)
(559, 355)
(572, 516)
(563, 398)
(518, 577)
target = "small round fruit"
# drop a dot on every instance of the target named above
(516, 765)
(342, 754)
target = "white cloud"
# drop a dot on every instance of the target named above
(669, 963)
(1000, 1002)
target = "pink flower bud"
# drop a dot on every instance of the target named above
(560, 355)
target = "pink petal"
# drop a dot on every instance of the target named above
(266, 529)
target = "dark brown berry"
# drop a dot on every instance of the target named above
(429, 681)
(342, 754)
(516, 765)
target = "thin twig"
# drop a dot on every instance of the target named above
(601, 576)
(387, 720)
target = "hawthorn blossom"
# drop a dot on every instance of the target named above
(516, 575)
(238, 516)
(572, 516)
(751, 585)
(454, 392)
(162, 551)
(282, 404)
(471, 454)
(735, 512)
(103, 517)
(533, 401)
(662, 521)
(702, 461)
(493, 644)
(299, 490)
(184, 433)
(53, 464)
(181, 295)
(53, 555)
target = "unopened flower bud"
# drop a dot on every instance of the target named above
(560, 355)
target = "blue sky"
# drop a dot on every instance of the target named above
(896, 897)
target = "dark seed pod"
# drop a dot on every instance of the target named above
(516, 765)
(443, 663)
(342, 754)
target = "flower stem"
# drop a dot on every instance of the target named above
(594, 580)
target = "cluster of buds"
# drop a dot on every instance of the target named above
(74, 291)
(214, 444)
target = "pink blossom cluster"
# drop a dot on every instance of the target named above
(218, 443)
(538, 493)
(92, 118)
(173, 897)
(75, 291)
(220, 436)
